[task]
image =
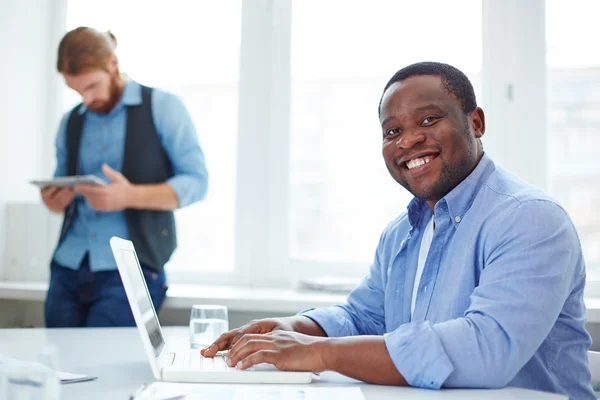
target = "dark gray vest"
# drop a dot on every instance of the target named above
(145, 161)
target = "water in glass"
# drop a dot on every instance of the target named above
(204, 331)
(207, 323)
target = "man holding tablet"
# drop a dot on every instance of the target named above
(141, 141)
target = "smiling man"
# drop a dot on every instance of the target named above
(479, 284)
(143, 143)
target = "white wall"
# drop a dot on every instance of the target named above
(28, 100)
(514, 86)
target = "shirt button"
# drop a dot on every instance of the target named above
(457, 218)
(92, 236)
(104, 148)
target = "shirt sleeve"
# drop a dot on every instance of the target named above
(61, 147)
(178, 136)
(363, 313)
(533, 260)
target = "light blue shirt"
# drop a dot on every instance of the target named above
(500, 300)
(103, 142)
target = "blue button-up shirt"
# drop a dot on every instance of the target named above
(103, 142)
(500, 301)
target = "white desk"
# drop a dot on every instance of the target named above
(116, 357)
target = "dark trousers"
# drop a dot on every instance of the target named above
(78, 298)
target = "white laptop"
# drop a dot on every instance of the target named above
(176, 364)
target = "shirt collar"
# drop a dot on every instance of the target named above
(457, 202)
(132, 96)
(416, 209)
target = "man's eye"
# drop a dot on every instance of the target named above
(429, 120)
(392, 132)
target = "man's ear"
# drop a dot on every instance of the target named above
(113, 63)
(478, 122)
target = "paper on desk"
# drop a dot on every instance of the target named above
(65, 377)
(164, 390)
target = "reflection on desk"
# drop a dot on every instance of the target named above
(116, 357)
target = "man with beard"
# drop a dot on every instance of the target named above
(142, 142)
(479, 284)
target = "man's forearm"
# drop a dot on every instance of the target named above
(365, 358)
(159, 196)
(306, 326)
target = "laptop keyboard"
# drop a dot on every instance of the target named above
(216, 363)
(194, 360)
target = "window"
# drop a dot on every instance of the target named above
(308, 192)
(171, 45)
(343, 54)
(574, 117)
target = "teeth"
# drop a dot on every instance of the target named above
(417, 162)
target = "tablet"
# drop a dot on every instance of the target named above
(69, 181)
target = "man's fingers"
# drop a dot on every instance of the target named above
(245, 330)
(261, 356)
(222, 343)
(230, 339)
(62, 199)
(213, 349)
(242, 339)
(237, 338)
(58, 197)
(114, 176)
(93, 194)
(89, 189)
(49, 191)
(246, 348)
(65, 193)
(67, 199)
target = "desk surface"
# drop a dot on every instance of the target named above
(116, 357)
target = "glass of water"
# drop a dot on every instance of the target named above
(207, 323)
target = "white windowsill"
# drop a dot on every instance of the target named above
(183, 296)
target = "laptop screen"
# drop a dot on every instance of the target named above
(143, 300)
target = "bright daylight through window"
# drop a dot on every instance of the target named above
(342, 196)
(572, 33)
(182, 56)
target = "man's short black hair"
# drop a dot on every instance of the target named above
(454, 82)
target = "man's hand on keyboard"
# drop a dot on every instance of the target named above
(288, 351)
(229, 339)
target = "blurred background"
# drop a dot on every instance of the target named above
(284, 96)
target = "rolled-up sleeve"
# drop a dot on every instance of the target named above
(419, 355)
(180, 141)
(534, 257)
(363, 313)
